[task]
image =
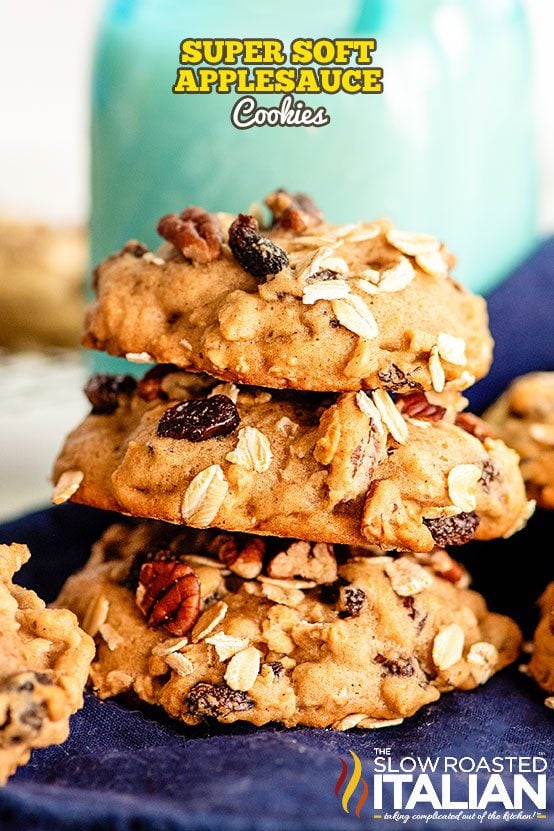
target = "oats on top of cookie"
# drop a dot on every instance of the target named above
(286, 299)
(338, 637)
(402, 471)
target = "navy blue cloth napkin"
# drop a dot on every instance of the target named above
(128, 770)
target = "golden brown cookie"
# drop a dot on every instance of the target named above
(541, 665)
(302, 304)
(350, 469)
(524, 418)
(42, 273)
(44, 664)
(361, 644)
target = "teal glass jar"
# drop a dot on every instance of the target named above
(448, 148)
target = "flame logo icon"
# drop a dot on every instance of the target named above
(352, 784)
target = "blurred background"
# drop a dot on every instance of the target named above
(94, 148)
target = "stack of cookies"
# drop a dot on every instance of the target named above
(305, 420)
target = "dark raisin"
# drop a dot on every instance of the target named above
(200, 419)
(135, 249)
(150, 385)
(22, 701)
(395, 379)
(216, 700)
(352, 600)
(490, 473)
(453, 530)
(402, 667)
(409, 604)
(103, 391)
(277, 668)
(254, 252)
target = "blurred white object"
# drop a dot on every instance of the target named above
(45, 59)
(42, 400)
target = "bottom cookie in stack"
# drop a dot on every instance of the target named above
(235, 627)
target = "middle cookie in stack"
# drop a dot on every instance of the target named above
(387, 459)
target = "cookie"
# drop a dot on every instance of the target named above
(524, 417)
(44, 664)
(354, 468)
(364, 643)
(42, 271)
(303, 304)
(541, 665)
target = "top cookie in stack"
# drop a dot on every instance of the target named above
(362, 321)
(302, 304)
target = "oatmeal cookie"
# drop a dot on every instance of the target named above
(354, 468)
(524, 418)
(541, 665)
(364, 645)
(44, 664)
(301, 304)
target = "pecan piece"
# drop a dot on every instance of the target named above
(168, 595)
(446, 567)
(293, 211)
(195, 232)
(417, 405)
(150, 385)
(103, 391)
(474, 425)
(200, 419)
(254, 252)
(216, 700)
(242, 554)
(305, 561)
(453, 530)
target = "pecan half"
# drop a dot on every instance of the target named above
(242, 554)
(417, 405)
(200, 419)
(150, 385)
(103, 391)
(216, 700)
(305, 561)
(254, 252)
(293, 211)
(168, 595)
(195, 232)
(474, 425)
(453, 530)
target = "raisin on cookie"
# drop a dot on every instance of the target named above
(356, 639)
(524, 418)
(44, 664)
(302, 304)
(355, 468)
